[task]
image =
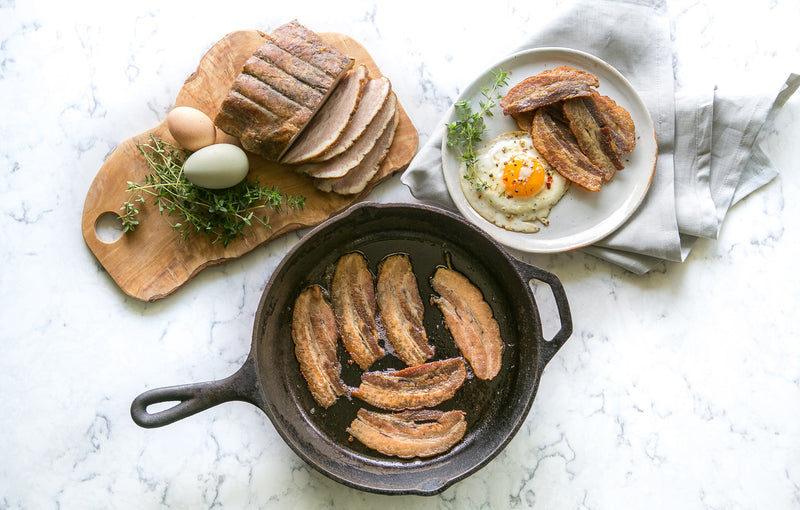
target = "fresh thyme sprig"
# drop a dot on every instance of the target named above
(465, 134)
(222, 215)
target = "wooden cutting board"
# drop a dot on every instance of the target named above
(151, 262)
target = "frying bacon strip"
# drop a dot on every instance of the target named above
(315, 336)
(422, 433)
(470, 321)
(546, 88)
(554, 140)
(425, 385)
(353, 299)
(401, 310)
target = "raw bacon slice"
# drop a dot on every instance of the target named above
(546, 88)
(469, 318)
(315, 336)
(409, 434)
(401, 310)
(557, 144)
(425, 385)
(353, 299)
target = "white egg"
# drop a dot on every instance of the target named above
(521, 187)
(217, 166)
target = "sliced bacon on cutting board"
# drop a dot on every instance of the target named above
(359, 176)
(333, 117)
(342, 164)
(376, 93)
(266, 120)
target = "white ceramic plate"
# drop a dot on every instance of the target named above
(581, 217)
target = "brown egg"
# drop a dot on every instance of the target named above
(191, 128)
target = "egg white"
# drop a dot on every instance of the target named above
(494, 203)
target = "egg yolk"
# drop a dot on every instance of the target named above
(523, 177)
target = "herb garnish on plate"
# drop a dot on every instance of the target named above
(465, 133)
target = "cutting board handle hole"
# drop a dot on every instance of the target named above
(108, 227)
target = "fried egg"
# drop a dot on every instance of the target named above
(518, 186)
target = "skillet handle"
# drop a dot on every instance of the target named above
(190, 399)
(550, 347)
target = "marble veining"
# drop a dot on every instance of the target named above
(678, 389)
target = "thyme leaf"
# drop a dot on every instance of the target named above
(222, 215)
(464, 134)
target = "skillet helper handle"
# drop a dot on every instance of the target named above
(550, 347)
(190, 399)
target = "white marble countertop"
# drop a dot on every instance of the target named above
(678, 389)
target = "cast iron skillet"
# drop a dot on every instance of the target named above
(270, 377)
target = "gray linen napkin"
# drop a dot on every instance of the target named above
(708, 142)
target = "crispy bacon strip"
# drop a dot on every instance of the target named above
(603, 130)
(618, 121)
(422, 433)
(546, 88)
(469, 318)
(593, 138)
(425, 385)
(353, 299)
(401, 310)
(557, 144)
(315, 336)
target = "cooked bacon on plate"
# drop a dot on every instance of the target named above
(619, 122)
(546, 88)
(603, 130)
(422, 433)
(353, 299)
(580, 132)
(470, 320)
(425, 385)
(401, 310)
(554, 140)
(315, 336)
